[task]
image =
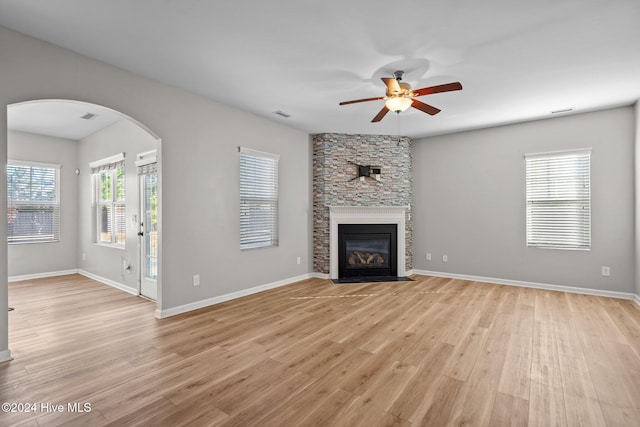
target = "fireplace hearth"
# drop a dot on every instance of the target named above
(367, 250)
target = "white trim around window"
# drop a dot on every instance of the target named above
(558, 199)
(33, 202)
(109, 201)
(116, 158)
(258, 199)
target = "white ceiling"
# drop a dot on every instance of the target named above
(60, 118)
(516, 60)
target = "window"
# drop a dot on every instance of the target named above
(559, 200)
(109, 181)
(258, 199)
(33, 202)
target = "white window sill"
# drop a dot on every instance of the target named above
(110, 245)
(33, 242)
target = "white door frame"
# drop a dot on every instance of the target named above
(146, 287)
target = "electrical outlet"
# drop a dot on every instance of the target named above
(298, 260)
(84, 256)
(428, 257)
(196, 280)
(606, 271)
(445, 258)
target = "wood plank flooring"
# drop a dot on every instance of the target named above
(431, 352)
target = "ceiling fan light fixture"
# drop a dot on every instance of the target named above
(398, 103)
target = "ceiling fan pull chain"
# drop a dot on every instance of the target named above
(398, 133)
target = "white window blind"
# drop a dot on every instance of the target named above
(258, 199)
(109, 176)
(33, 202)
(559, 200)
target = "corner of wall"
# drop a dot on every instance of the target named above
(637, 203)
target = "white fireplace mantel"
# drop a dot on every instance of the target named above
(366, 215)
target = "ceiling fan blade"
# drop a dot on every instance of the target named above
(425, 107)
(437, 89)
(392, 85)
(380, 115)
(361, 100)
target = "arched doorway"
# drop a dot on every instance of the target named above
(104, 233)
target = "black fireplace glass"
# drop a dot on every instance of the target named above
(367, 250)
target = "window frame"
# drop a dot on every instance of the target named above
(55, 203)
(558, 200)
(259, 199)
(115, 169)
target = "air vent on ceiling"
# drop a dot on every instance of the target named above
(282, 113)
(88, 116)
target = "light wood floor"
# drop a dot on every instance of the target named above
(431, 352)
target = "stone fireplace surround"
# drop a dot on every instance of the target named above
(334, 187)
(366, 215)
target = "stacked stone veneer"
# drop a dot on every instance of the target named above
(333, 184)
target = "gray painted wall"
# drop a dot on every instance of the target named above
(469, 201)
(34, 258)
(107, 262)
(199, 172)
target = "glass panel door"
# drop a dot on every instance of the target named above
(149, 235)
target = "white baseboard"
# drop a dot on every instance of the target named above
(5, 356)
(41, 275)
(560, 288)
(161, 314)
(109, 282)
(636, 299)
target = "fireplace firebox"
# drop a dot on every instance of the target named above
(367, 250)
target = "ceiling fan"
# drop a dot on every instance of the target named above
(400, 97)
